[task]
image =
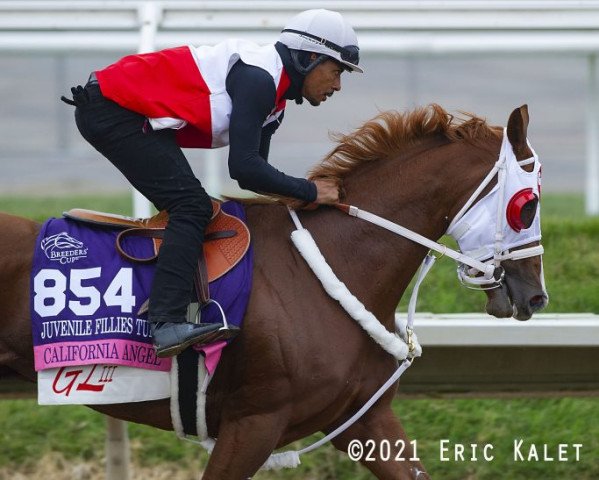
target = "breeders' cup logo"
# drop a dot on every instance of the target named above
(63, 248)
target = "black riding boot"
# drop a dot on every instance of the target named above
(172, 338)
(170, 294)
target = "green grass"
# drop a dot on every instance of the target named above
(572, 272)
(29, 431)
(40, 208)
(563, 206)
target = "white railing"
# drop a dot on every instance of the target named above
(474, 329)
(408, 27)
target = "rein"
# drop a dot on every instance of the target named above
(444, 250)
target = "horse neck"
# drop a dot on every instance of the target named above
(420, 190)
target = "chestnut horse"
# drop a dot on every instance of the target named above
(301, 365)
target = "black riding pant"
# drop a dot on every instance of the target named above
(155, 165)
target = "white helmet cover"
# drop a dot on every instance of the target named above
(325, 32)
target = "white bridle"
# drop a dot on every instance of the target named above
(474, 223)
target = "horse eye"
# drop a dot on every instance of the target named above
(529, 210)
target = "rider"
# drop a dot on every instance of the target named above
(140, 111)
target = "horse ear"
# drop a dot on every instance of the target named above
(517, 127)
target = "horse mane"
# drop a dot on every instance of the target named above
(387, 134)
(391, 131)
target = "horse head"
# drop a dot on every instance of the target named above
(433, 174)
(523, 291)
(510, 238)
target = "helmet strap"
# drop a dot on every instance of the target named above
(297, 61)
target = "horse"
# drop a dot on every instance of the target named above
(300, 364)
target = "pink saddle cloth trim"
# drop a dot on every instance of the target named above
(212, 353)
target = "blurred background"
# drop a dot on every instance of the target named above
(42, 152)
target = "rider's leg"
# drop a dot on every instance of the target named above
(155, 165)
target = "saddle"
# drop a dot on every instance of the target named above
(226, 240)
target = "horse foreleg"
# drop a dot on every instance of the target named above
(242, 447)
(386, 450)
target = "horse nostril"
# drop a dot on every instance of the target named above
(537, 302)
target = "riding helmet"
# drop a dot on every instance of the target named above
(323, 32)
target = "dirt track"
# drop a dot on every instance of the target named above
(55, 467)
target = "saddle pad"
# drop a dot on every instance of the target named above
(84, 297)
(101, 384)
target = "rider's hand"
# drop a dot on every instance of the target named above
(327, 191)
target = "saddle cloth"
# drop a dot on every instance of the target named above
(221, 256)
(86, 298)
(185, 385)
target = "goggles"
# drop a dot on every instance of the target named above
(350, 53)
(521, 210)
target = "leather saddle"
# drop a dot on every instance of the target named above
(226, 240)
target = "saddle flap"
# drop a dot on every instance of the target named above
(101, 218)
(114, 220)
(222, 254)
(226, 241)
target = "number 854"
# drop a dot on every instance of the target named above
(50, 286)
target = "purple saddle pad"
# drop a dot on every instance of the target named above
(85, 296)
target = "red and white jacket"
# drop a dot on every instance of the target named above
(184, 88)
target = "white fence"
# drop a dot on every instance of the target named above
(414, 27)
(426, 27)
(473, 329)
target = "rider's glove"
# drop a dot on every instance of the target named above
(80, 97)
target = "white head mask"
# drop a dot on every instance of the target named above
(493, 225)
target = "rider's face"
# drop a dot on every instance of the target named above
(322, 82)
